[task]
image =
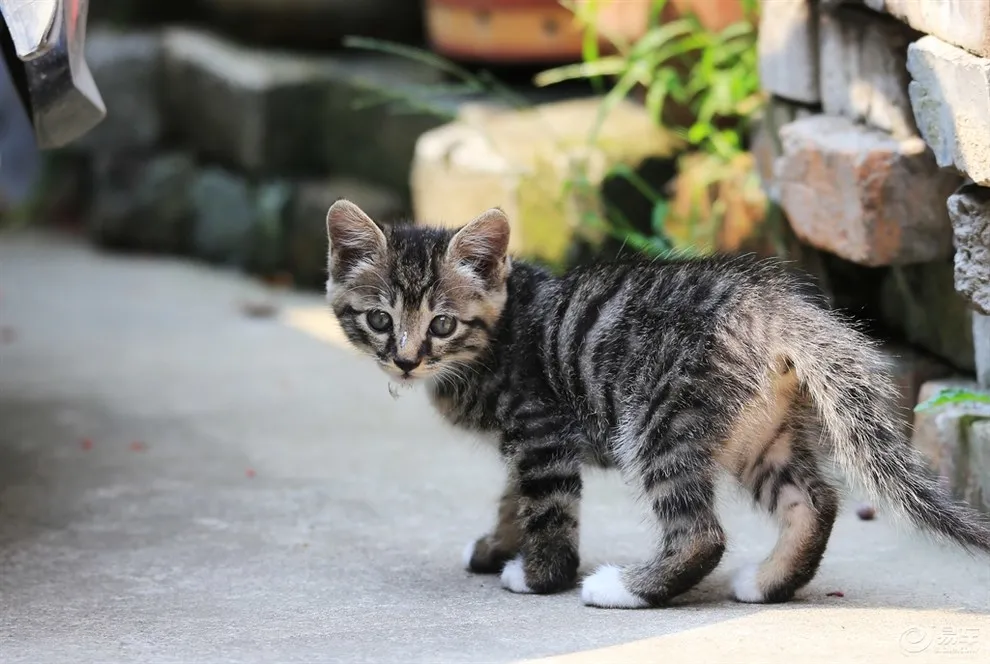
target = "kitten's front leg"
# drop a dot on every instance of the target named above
(547, 473)
(489, 553)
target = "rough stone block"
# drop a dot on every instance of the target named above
(788, 49)
(142, 203)
(766, 147)
(863, 70)
(978, 484)
(306, 230)
(945, 437)
(273, 205)
(969, 210)
(127, 69)
(863, 195)
(964, 23)
(258, 111)
(920, 301)
(523, 160)
(226, 217)
(269, 112)
(950, 96)
(981, 349)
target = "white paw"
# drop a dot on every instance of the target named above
(468, 554)
(745, 587)
(605, 589)
(514, 577)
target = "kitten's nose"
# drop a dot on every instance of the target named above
(406, 365)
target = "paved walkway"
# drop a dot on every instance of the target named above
(181, 482)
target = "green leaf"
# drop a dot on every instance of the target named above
(658, 218)
(610, 66)
(952, 395)
(698, 132)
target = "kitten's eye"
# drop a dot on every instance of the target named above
(443, 326)
(378, 320)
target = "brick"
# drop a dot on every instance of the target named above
(920, 302)
(863, 195)
(863, 70)
(964, 23)
(944, 437)
(766, 146)
(969, 210)
(127, 69)
(950, 96)
(522, 161)
(788, 49)
(981, 349)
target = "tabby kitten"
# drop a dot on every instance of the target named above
(673, 372)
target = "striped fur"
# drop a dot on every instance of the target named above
(675, 373)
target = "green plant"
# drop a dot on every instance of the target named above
(711, 79)
(952, 396)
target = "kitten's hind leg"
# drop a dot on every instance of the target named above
(682, 498)
(785, 479)
(489, 553)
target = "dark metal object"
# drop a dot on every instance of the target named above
(43, 45)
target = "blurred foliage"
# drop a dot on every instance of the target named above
(700, 84)
(952, 396)
(704, 86)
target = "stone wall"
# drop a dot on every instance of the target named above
(880, 114)
(233, 153)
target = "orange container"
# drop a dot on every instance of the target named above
(518, 31)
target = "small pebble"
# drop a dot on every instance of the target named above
(250, 472)
(86, 444)
(866, 512)
(259, 308)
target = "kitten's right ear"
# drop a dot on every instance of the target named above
(354, 239)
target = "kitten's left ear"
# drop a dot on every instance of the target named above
(354, 239)
(482, 245)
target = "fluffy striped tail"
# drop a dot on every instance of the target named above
(851, 388)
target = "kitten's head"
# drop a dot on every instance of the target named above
(419, 300)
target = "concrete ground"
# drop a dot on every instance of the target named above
(180, 482)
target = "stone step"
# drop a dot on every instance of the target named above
(127, 69)
(167, 203)
(955, 440)
(266, 112)
(269, 112)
